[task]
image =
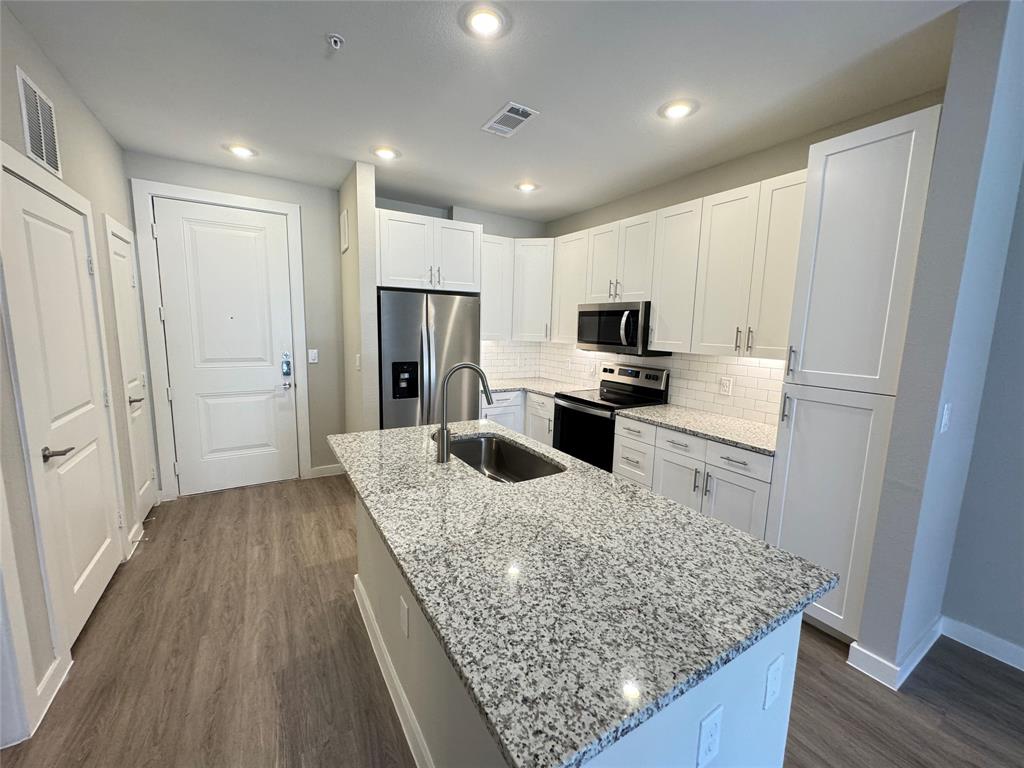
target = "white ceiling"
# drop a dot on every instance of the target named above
(180, 79)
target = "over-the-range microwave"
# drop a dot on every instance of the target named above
(622, 328)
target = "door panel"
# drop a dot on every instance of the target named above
(569, 284)
(674, 281)
(636, 257)
(826, 484)
(55, 326)
(453, 329)
(738, 500)
(727, 231)
(496, 276)
(858, 251)
(780, 212)
(531, 296)
(457, 255)
(225, 281)
(679, 478)
(131, 338)
(406, 249)
(602, 263)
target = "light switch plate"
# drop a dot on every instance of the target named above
(313, 355)
(359, 362)
(709, 738)
(773, 682)
(725, 385)
(403, 616)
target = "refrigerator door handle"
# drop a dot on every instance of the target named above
(424, 377)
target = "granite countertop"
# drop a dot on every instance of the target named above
(534, 384)
(575, 606)
(741, 433)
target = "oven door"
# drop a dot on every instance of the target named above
(611, 327)
(585, 432)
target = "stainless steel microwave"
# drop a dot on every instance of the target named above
(622, 328)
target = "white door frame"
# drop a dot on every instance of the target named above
(143, 193)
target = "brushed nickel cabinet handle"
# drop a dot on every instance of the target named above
(707, 483)
(785, 402)
(631, 461)
(678, 445)
(618, 290)
(750, 338)
(431, 279)
(696, 479)
(630, 429)
(739, 334)
(731, 460)
(610, 296)
(789, 360)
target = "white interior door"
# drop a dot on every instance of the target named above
(496, 276)
(227, 321)
(138, 402)
(55, 329)
(861, 229)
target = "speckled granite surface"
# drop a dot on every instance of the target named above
(537, 386)
(724, 429)
(575, 606)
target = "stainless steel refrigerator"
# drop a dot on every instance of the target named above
(422, 335)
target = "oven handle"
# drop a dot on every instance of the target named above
(622, 327)
(585, 409)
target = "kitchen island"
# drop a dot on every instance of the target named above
(568, 619)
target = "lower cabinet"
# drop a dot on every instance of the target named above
(679, 477)
(736, 499)
(507, 409)
(540, 418)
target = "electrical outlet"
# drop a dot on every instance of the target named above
(947, 411)
(403, 616)
(772, 683)
(313, 355)
(710, 736)
(725, 385)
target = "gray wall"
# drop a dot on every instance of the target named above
(498, 224)
(774, 161)
(422, 210)
(986, 576)
(93, 167)
(968, 221)
(321, 266)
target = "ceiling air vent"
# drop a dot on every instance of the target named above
(40, 125)
(509, 119)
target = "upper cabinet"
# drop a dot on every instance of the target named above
(496, 278)
(858, 251)
(674, 276)
(567, 286)
(531, 296)
(602, 263)
(620, 257)
(423, 252)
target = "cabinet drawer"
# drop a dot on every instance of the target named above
(634, 460)
(682, 443)
(748, 463)
(635, 430)
(503, 399)
(541, 403)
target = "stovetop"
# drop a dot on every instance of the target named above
(606, 398)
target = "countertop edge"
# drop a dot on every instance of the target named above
(626, 413)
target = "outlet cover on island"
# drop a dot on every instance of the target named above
(725, 385)
(947, 412)
(710, 736)
(773, 682)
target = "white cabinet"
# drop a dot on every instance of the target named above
(636, 258)
(496, 279)
(780, 211)
(602, 263)
(678, 477)
(507, 409)
(736, 499)
(858, 249)
(540, 417)
(531, 295)
(633, 460)
(416, 251)
(405, 249)
(457, 255)
(569, 283)
(826, 485)
(725, 263)
(674, 276)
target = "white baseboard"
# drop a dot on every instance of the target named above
(413, 734)
(884, 671)
(325, 470)
(986, 643)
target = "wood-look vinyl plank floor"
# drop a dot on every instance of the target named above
(232, 639)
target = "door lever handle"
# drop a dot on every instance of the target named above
(286, 385)
(134, 400)
(48, 454)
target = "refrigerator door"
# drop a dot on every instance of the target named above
(453, 336)
(403, 359)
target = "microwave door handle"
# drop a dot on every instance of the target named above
(622, 327)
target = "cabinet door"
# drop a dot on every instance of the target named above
(602, 263)
(538, 425)
(636, 258)
(678, 477)
(858, 250)
(457, 255)
(674, 283)
(727, 230)
(531, 295)
(634, 460)
(511, 417)
(737, 500)
(826, 483)
(496, 276)
(569, 285)
(780, 211)
(405, 249)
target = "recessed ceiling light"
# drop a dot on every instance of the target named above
(526, 186)
(677, 110)
(386, 153)
(485, 21)
(246, 153)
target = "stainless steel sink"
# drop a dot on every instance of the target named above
(502, 460)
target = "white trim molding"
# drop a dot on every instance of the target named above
(984, 642)
(143, 193)
(884, 671)
(406, 716)
(326, 470)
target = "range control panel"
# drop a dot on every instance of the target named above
(638, 375)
